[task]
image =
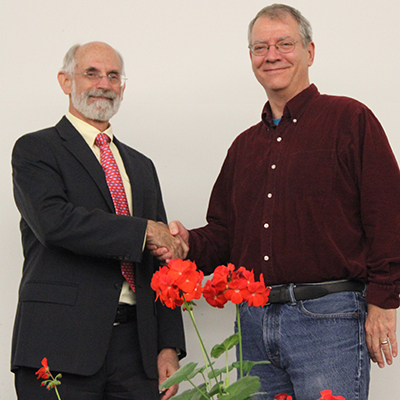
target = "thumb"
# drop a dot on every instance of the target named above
(174, 228)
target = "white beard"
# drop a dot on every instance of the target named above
(99, 109)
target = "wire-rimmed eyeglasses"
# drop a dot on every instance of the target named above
(283, 46)
(114, 78)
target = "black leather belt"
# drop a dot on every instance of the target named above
(308, 291)
(125, 313)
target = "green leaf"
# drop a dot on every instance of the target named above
(216, 389)
(226, 345)
(195, 372)
(179, 376)
(218, 372)
(248, 365)
(242, 389)
(192, 394)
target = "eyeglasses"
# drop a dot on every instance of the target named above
(113, 78)
(283, 47)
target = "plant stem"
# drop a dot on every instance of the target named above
(58, 396)
(203, 349)
(240, 340)
(227, 380)
(199, 390)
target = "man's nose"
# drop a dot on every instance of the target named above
(104, 82)
(272, 54)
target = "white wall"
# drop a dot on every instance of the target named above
(190, 93)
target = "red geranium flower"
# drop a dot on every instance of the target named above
(283, 396)
(213, 297)
(177, 282)
(44, 371)
(167, 292)
(237, 289)
(236, 286)
(257, 293)
(327, 395)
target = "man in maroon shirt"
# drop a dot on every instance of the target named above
(310, 198)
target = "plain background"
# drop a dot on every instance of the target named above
(190, 92)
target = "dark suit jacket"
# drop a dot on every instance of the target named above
(73, 244)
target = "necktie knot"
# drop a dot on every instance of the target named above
(102, 140)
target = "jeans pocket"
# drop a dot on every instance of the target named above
(336, 305)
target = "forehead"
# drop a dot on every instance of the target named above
(101, 57)
(274, 28)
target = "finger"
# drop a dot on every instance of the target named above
(174, 228)
(386, 350)
(393, 344)
(374, 349)
(158, 251)
(166, 394)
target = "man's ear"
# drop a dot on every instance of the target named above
(65, 81)
(311, 53)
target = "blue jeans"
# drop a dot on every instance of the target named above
(312, 345)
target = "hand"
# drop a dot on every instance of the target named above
(177, 228)
(163, 252)
(380, 327)
(162, 244)
(167, 364)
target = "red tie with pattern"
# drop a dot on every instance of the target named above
(117, 191)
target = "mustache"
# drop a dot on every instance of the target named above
(109, 94)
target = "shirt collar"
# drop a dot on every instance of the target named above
(88, 131)
(294, 108)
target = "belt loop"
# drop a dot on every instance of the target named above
(291, 293)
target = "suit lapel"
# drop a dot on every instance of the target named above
(135, 178)
(77, 146)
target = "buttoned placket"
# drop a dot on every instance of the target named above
(277, 142)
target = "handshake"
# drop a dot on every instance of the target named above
(166, 243)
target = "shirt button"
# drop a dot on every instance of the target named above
(273, 166)
(279, 139)
(266, 258)
(294, 120)
(266, 225)
(269, 195)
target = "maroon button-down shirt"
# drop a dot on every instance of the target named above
(316, 198)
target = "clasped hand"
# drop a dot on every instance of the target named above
(164, 245)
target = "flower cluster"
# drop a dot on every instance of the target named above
(177, 282)
(325, 395)
(180, 281)
(235, 286)
(50, 382)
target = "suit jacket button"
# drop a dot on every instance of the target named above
(118, 286)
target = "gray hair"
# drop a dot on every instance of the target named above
(276, 11)
(69, 60)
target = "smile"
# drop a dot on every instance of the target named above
(272, 70)
(101, 98)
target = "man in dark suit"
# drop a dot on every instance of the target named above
(109, 339)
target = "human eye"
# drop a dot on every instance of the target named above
(92, 74)
(259, 48)
(114, 77)
(285, 44)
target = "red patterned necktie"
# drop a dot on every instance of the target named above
(117, 191)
